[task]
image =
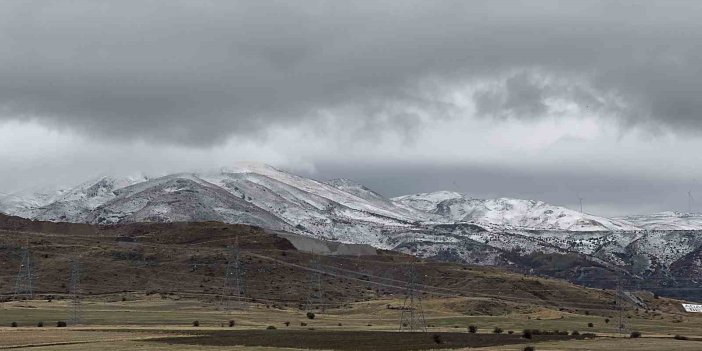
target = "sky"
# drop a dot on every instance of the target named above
(545, 100)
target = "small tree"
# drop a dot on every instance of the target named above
(530, 348)
(40, 324)
(635, 334)
(60, 324)
(196, 323)
(472, 329)
(13, 324)
(527, 334)
(575, 333)
(310, 315)
(590, 325)
(232, 323)
(270, 327)
(436, 338)
(497, 330)
(287, 324)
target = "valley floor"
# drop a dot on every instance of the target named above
(154, 324)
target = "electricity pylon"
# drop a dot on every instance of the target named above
(233, 290)
(412, 317)
(619, 301)
(24, 285)
(74, 293)
(315, 296)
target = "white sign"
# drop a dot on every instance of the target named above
(692, 308)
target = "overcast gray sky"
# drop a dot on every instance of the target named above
(541, 99)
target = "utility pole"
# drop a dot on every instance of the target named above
(24, 285)
(412, 317)
(233, 291)
(315, 296)
(74, 293)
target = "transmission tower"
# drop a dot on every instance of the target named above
(315, 297)
(74, 293)
(619, 301)
(412, 317)
(233, 290)
(24, 286)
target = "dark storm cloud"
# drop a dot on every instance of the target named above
(196, 72)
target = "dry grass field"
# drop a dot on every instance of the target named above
(149, 323)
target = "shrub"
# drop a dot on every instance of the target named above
(575, 333)
(590, 325)
(13, 324)
(472, 329)
(635, 334)
(497, 330)
(436, 338)
(680, 337)
(60, 324)
(270, 327)
(310, 315)
(196, 323)
(40, 324)
(529, 348)
(232, 323)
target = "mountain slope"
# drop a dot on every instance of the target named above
(511, 213)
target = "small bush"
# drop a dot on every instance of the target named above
(575, 333)
(436, 338)
(196, 323)
(635, 335)
(529, 348)
(40, 325)
(60, 324)
(472, 329)
(13, 324)
(497, 330)
(232, 323)
(310, 315)
(680, 337)
(590, 325)
(270, 327)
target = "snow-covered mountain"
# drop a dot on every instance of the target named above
(669, 220)
(444, 225)
(509, 213)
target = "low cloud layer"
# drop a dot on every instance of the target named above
(198, 72)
